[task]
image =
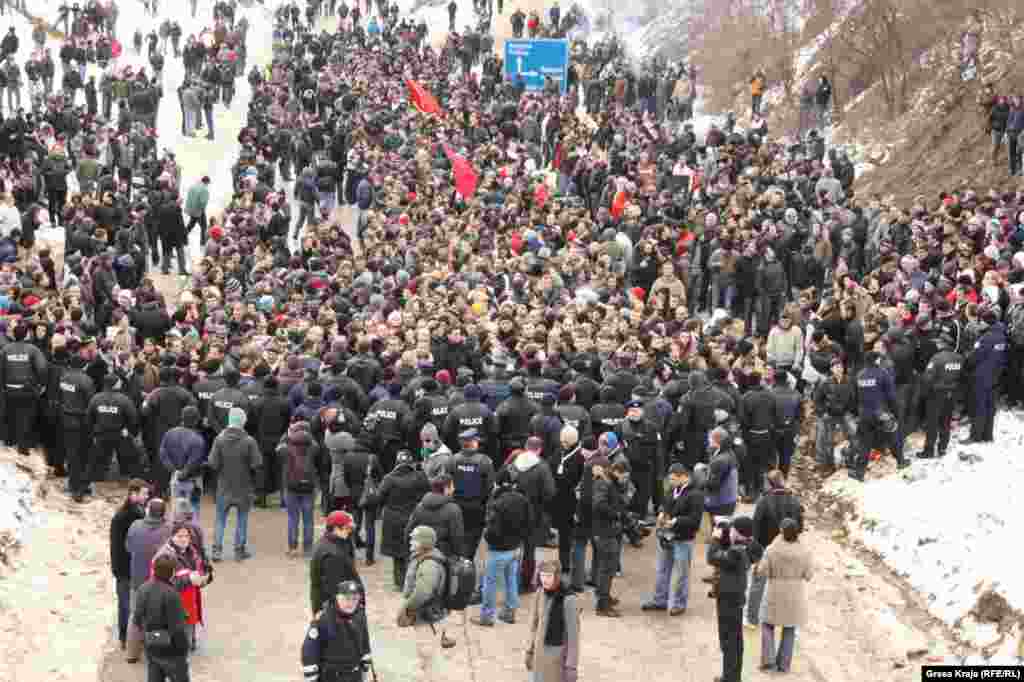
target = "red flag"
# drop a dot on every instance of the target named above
(540, 194)
(466, 176)
(421, 98)
(619, 204)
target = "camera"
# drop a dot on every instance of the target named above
(723, 524)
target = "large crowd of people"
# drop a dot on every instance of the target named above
(504, 318)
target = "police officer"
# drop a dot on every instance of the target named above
(112, 415)
(23, 377)
(223, 400)
(210, 381)
(470, 414)
(876, 405)
(642, 442)
(337, 644)
(394, 420)
(940, 382)
(473, 474)
(607, 415)
(513, 418)
(572, 413)
(987, 362)
(75, 393)
(537, 385)
(430, 407)
(547, 425)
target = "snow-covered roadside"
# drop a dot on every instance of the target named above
(950, 528)
(16, 493)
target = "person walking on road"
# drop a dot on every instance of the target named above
(787, 567)
(399, 493)
(553, 650)
(731, 551)
(422, 608)
(299, 453)
(196, 201)
(333, 561)
(774, 507)
(145, 537)
(236, 460)
(191, 574)
(337, 644)
(130, 511)
(162, 616)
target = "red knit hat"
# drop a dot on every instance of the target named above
(443, 377)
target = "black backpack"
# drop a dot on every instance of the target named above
(460, 581)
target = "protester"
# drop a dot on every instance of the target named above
(552, 653)
(145, 537)
(677, 526)
(191, 574)
(131, 510)
(332, 561)
(160, 614)
(399, 493)
(236, 460)
(421, 609)
(787, 567)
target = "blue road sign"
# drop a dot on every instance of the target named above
(535, 60)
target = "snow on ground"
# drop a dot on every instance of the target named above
(15, 504)
(950, 527)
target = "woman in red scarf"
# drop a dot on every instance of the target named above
(193, 573)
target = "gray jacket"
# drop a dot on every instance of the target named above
(145, 537)
(236, 458)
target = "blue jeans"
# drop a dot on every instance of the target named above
(754, 597)
(503, 566)
(124, 611)
(676, 559)
(241, 528)
(327, 200)
(579, 562)
(296, 504)
(782, 660)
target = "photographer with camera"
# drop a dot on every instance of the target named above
(676, 529)
(732, 551)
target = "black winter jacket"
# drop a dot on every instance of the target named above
(508, 519)
(444, 516)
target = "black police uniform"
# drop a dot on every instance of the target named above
(23, 377)
(394, 418)
(471, 414)
(941, 381)
(111, 413)
(337, 646)
(76, 391)
(876, 401)
(646, 461)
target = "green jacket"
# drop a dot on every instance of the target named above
(196, 200)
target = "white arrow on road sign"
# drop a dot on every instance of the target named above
(519, 64)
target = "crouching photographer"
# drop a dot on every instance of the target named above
(732, 551)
